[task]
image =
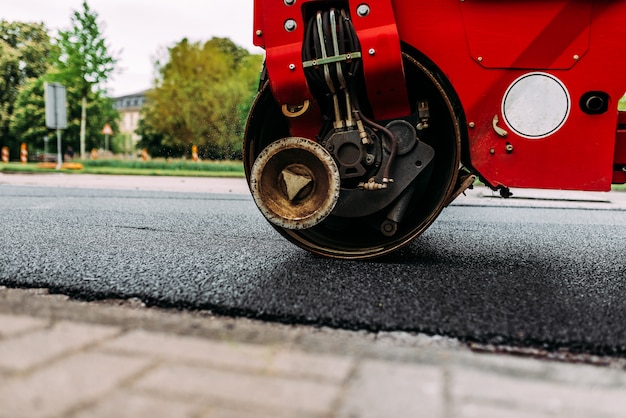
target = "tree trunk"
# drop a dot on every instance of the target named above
(83, 124)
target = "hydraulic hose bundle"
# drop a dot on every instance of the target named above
(331, 56)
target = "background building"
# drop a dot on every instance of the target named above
(129, 108)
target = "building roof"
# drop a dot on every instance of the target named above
(130, 101)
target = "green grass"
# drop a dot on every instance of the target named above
(141, 168)
(621, 105)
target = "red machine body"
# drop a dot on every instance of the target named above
(374, 115)
(482, 47)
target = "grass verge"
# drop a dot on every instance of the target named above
(141, 168)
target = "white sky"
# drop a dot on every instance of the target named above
(136, 30)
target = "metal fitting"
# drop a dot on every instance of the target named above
(290, 25)
(362, 10)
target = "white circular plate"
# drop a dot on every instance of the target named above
(536, 105)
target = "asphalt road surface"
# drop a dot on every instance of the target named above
(543, 269)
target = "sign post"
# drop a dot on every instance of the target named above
(107, 130)
(56, 113)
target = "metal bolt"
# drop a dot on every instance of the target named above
(388, 228)
(492, 151)
(509, 148)
(372, 51)
(290, 2)
(259, 32)
(363, 10)
(472, 124)
(292, 67)
(576, 57)
(290, 25)
(480, 59)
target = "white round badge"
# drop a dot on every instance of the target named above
(536, 105)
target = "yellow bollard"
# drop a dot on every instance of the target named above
(24, 153)
(5, 154)
(94, 153)
(194, 152)
(144, 154)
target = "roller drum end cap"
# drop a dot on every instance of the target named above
(295, 183)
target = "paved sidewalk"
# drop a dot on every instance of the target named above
(145, 183)
(478, 196)
(64, 358)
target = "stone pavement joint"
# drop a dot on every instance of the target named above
(62, 358)
(43, 346)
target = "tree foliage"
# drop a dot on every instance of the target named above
(84, 60)
(78, 59)
(24, 57)
(83, 57)
(201, 96)
(28, 121)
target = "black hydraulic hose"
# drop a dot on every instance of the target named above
(312, 41)
(330, 50)
(341, 28)
(353, 40)
(392, 139)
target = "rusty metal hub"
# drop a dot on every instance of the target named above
(295, 195)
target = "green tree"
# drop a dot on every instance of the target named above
(84, 61)
(199, 98)
(156, 142)
(29, 121)
(24, 55)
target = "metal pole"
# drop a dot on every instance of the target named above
(59, 152)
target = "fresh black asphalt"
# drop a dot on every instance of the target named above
(541, 277)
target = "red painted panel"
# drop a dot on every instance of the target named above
(534, 34)
(579, 42)
(382, 59)
(377, 33)
(283, 49)
(580, 154)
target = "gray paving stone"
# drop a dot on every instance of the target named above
(29, 350)
(133, 405)
(382, 389)
(293, 395)
(54, 390)
(472, 410)
(319, 367)
(16, 324)
(221, 411)
(537, 396)
(175, 348)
